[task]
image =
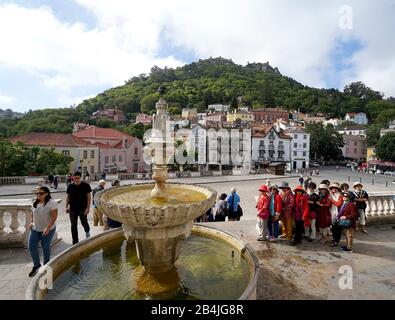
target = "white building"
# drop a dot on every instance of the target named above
(391, 128)
(269, 145)
(357, 118)
(218, 107)
(300, 149)
(352, 129)
(334, 122)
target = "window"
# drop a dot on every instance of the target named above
(92, 154)
(304, 153)
(262, 143)
(355, 150)
(66, 152)
(271, 134)
(295, 153)
(136, 151)
(85, 154)
(85, 170)
(120, 158)
(135, 167)
(305, 136)
(106, 159)
(295, 145)
(355, 143)
(113, 158)
(295, 136)
(92, 169)
(304, 145)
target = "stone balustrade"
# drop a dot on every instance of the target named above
(380, 208)
(12, 180)
(15, 216)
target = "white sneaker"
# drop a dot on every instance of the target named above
(88, 235)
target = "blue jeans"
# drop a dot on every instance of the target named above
(34, 238)
(272, 226)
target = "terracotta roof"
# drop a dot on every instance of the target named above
(263, 132)
(50, 139)
(103, 133)
(270, 110)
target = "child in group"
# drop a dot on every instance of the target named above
(313, 199)
(263, 213)
(301, 213)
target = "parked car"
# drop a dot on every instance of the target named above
(389, 173)
(314, 164)
(352, 164)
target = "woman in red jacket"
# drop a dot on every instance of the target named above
(263, 213)
(348, 211)
(324, 219)
(301, 214)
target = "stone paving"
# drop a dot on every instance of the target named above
(306, 272)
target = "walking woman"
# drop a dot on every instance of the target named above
(42, 227)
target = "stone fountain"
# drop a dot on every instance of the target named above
(158, 217)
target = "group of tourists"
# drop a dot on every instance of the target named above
(286, 214)
(45, 211)
(227, 206)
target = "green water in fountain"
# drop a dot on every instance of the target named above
(142, 197)
(206, 269)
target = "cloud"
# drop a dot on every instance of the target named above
(299, 37)
(6, 100)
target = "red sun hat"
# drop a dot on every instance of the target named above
(263, 188)
(300, 188)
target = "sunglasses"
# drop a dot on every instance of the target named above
(39, 193)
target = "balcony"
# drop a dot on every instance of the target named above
(261, 148)
(280, 147)
(271, 147)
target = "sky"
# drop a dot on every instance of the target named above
(56, 53)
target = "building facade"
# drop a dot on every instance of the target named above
(218, 107)
(300, 149)
(355, 147)
(86, 155)
(269, 145)
(357, 118)
(144, 119)
(189, 114)
(241, 115)
(118, 150)
(352, 129)
(112, 114)
(270, 115)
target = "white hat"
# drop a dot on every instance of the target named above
(102, 181)
(323, 186)
(357, 184)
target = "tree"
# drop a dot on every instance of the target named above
(373, 134)
(360, 90)
(325, 142)
(266, 97)
(385, 149)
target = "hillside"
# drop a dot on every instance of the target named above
(214, 80)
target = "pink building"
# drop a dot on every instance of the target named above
(117, 149)
(355, 147)
(144, 119)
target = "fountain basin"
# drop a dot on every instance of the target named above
(219, 286)
(158, 226)
(133, 206)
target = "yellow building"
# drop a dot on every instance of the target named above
(189, 113)
(240, 114)
(371, 154)
(85, 155)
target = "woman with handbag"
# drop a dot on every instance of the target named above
(347, 219)
(220, 208)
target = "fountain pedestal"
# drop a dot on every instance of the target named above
(158, 248)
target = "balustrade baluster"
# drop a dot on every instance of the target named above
(392, 206)
(380, 208)
(14, 221)
(386, 207)
(373, 207)
(2, 224)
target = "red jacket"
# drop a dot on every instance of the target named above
(288, 203)
(263, 206)
(302, 211)
(350, 211)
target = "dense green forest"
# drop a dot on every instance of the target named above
(214, 80)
